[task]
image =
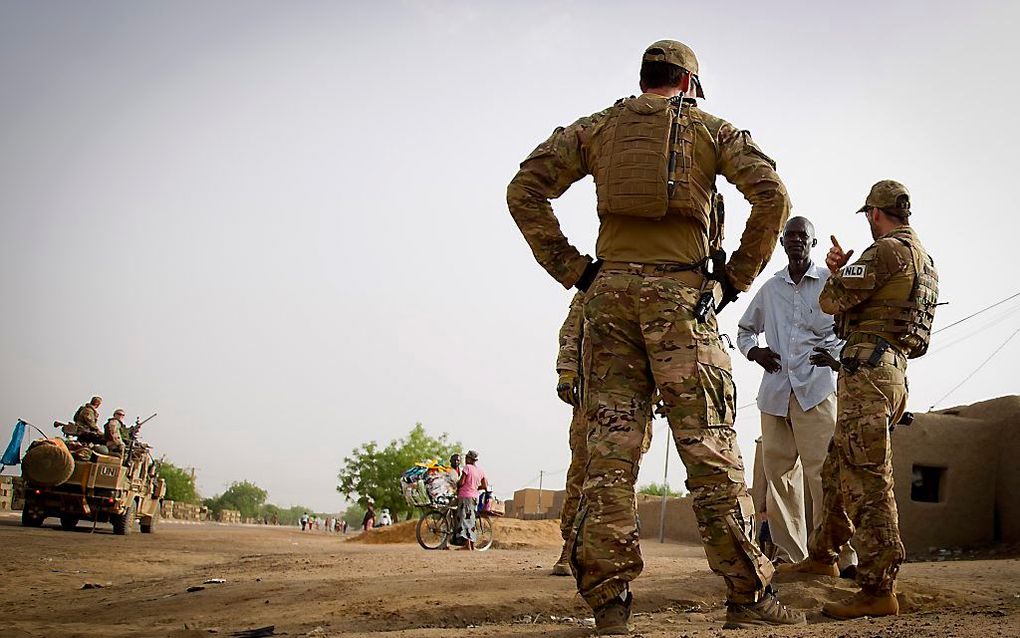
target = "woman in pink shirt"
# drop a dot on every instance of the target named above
(472, 477)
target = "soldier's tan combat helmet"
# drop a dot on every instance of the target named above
(676, 53)
(890, 196)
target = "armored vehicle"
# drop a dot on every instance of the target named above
(119, 489)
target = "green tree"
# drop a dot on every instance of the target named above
(657, 489)
(179, 484)
(372, 472)
(244, 496)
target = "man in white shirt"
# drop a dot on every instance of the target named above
(797, 398)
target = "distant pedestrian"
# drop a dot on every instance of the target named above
(304, 521)
(368, 522)
(472, 477)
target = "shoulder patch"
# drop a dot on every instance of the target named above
(854, 271)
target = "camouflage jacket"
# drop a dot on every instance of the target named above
(884, 271)
(564, 159)
(112, 431)
(87, 417)
(569, 357)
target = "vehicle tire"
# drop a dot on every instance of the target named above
(124, 523)
(432, 530)
(68, 522)
(30, 520)
(483, 533)
(150, 527)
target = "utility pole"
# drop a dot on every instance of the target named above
(541, 474)
(665, 490)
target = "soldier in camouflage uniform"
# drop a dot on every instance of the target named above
(568, 387)
(654, 160)
(87, 416)
(114, 441)
(884, 305)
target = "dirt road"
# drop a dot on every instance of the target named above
(312, 584)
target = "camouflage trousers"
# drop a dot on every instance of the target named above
(640, 334)
(857, 476)
(579, 431)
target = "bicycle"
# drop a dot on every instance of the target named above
(436, 524)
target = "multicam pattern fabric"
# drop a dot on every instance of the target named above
(87, 417)
(111, 431)
(569, 359)
(570, 154)
(640, 334)
(569, 356)
(857, 477)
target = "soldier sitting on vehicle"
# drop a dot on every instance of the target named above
(87, 416)
(85, 424)
(111, 433)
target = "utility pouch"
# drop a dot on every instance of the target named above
(876, 354)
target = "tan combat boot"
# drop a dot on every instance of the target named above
(611, 618)
(809, 566)
(562, 566)
(767, 611)
(863, 604)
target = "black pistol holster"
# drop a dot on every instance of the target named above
(854, 364)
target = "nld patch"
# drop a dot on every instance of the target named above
(853, 271)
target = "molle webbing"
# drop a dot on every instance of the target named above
(631, 169)
(656, 157)
(908, 320)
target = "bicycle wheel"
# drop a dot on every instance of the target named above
(432, 530)
(483, 533)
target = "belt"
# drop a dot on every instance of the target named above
(688, 273)
(861, 348)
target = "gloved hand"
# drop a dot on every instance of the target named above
(588, 276)
(729, 293)
(823, 359)
(568, 388)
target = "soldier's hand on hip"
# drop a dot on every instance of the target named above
(766, 358)
(567, 388)
(823, 359)
(836, 258)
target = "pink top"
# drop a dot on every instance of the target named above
(473, 476)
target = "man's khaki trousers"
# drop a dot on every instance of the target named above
(793, 449)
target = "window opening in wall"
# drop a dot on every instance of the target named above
(926, 484)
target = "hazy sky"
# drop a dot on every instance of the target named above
(282, 226)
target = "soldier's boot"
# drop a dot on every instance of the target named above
(767, 611)
(562, 566)
(809, 566)
(863, 604)
(611, 618)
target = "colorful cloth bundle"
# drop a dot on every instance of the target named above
(428, 484)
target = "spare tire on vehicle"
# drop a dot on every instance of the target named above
(47, 462)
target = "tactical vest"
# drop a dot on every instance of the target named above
(903, 308)
(656, 157)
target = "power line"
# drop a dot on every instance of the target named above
(997, 303)
(990, 324)
(967, 378)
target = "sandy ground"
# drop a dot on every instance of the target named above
(312, 584)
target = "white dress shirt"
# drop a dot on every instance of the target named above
(794, 325)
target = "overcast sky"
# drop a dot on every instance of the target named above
(282, 226)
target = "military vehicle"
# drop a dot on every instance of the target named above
(101, 487)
